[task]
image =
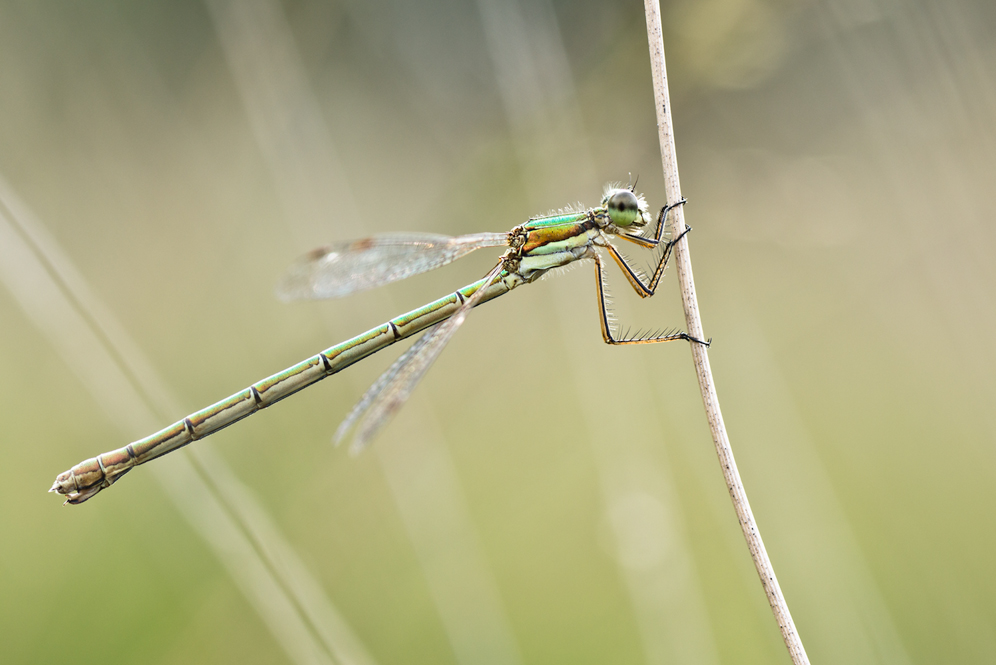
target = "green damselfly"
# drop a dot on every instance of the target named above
(532, 249)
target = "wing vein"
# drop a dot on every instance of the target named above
(349, 267)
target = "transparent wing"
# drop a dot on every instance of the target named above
(378, 386)
(395, 386)
(344, 268)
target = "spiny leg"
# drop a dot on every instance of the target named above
(634, 277)
(603, 318)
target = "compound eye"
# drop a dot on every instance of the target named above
(623, 207)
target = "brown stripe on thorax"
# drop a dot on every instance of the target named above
(546, 235)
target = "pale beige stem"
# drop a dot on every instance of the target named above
(700, 353)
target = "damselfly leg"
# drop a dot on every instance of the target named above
(636, 280)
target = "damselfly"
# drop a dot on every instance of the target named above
(532, 249)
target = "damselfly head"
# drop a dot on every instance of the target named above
(625, 208)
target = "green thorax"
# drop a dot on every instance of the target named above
(561, 232)
(562, 219)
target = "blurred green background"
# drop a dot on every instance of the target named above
(543, 498)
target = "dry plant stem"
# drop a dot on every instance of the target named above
(700, 353)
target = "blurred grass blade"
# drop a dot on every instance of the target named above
(287, 122)
(122, 381)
